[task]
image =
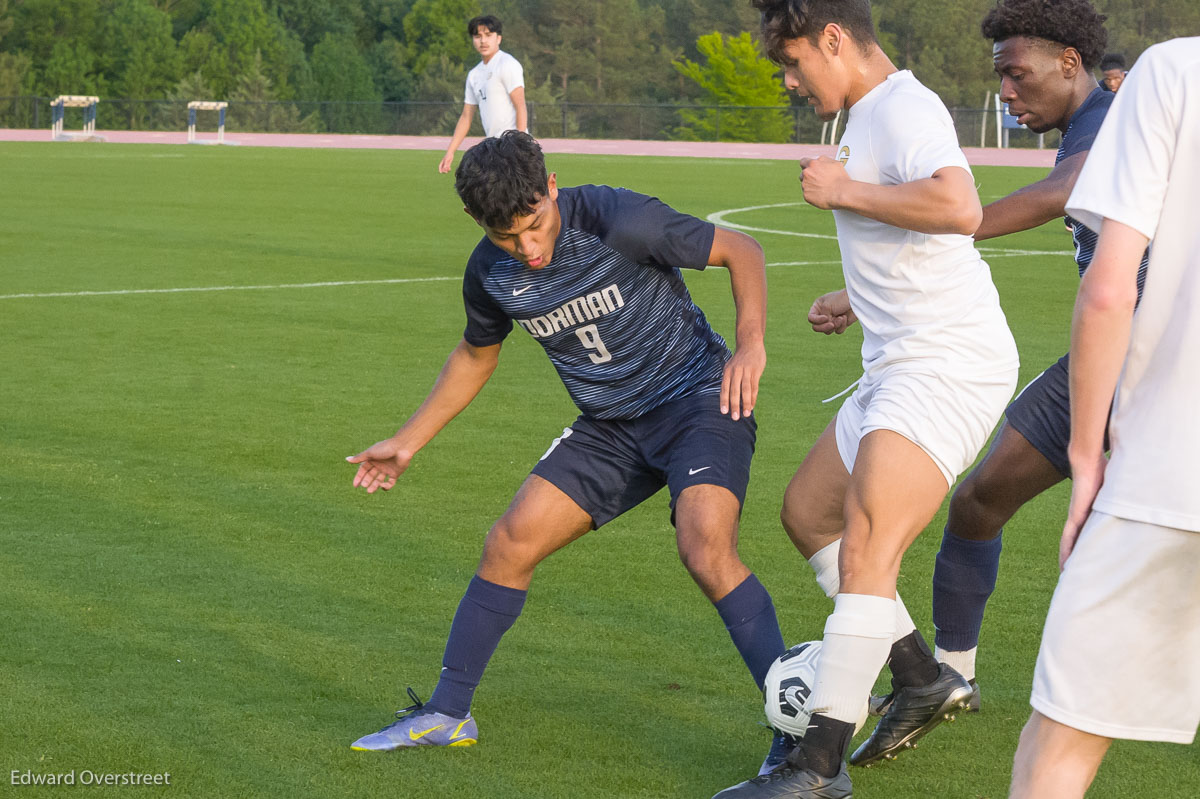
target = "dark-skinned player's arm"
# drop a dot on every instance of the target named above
(743, 257)
(1033, 205)
(461, 378)
(945, 202)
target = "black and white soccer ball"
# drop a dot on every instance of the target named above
(788, 687)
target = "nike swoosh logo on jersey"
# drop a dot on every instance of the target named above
(416, 736)
(697, 471)
(518, 293)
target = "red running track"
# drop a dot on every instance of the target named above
(976, 156)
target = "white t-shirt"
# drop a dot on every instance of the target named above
(1144, 171)
(489, 86)
(917, 295)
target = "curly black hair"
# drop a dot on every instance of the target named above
(1070, 23)
(786, 20)
(502, 178)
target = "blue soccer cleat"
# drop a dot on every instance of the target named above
(781, 745)
(419, 726)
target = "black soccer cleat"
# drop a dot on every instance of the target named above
(913, 712)
(781, 745)
(787, 782)
(879, 705)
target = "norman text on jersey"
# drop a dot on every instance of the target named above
(575, 312)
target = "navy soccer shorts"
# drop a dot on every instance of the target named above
(608, 466)
(1042, 413)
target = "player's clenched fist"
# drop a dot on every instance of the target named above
(831, 313)
(821, 179)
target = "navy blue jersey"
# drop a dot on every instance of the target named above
(1081, 132)
(611, 308)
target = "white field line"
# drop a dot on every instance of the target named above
(719, 218)
(226, 288)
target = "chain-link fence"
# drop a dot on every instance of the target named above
(645, 121)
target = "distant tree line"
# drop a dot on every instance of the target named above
(574, 51)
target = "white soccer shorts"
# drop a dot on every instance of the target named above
(949, 418)
(1122, 638)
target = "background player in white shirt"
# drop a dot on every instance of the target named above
(496, 86)
(1124, 625)
(939, 365)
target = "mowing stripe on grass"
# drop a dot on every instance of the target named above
(225, 288)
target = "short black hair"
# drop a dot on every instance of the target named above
(1070, 23)
(502, 178)
(485, 21)
(1112, 61)
(787, 20)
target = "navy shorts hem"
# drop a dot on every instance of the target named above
(1042, 414)
(609, 466)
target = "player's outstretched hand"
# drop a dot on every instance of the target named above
(739, 385)
(380, 465)
(821, 179)
(831, 314)
(447, 162)
(1086, 480)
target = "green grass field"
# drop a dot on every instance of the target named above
(189, 584)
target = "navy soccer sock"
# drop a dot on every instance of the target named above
(964, 576)
(484, 615)
(824, 746)
(749, 616)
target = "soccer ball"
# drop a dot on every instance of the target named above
(789, 684)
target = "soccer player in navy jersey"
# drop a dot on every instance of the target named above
(592, 273)
(1044, 54)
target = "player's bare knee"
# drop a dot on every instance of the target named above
(715, 570)
(710, 556)
(505, 547)
(975, 513)
(807, 532)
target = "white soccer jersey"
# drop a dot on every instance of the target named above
(1144, 172)
(489, 86)
(917, 295)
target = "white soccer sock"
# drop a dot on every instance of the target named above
(963, 661)
(904, 622)
(858, 636)
(825, 565)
